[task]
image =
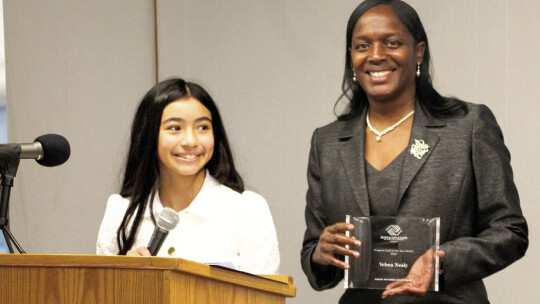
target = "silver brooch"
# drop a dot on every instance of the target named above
(419, 148)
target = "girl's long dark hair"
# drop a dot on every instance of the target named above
(428, 97)
(142, 172)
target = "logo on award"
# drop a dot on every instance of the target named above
(394, 230)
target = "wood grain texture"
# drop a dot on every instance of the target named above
(74, 279)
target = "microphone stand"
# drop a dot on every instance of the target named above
(9, 163)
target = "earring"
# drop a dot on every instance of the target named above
(417, 70)
(353, 76)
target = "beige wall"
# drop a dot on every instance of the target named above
(78, 68)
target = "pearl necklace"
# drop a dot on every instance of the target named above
(380, 134)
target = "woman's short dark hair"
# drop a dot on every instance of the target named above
(141, 171)
(428, 97)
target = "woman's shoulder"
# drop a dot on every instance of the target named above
(337, 125)
(332, 132)
(479, 121)
(473, 108)
(475, 112)
(477, 109)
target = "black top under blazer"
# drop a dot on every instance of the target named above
(465, 178)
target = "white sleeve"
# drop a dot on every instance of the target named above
(106, 242)
(259, 249)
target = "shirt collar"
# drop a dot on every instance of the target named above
(202, 205)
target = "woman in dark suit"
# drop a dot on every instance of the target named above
(401, 149)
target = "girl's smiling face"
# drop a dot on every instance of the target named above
(186, 138)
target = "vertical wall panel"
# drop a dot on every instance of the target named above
(76, 68)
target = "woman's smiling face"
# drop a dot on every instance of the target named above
(384, 55)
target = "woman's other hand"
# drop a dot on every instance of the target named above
(141, 251)
(333, 241)
(419, 278)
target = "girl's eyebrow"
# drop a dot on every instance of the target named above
(178, 119)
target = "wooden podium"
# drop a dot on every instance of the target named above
(77, 279)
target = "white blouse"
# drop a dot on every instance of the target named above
(219, 226)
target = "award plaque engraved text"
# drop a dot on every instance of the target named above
(390, 246)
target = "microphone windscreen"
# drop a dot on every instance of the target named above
(167, 219)
(56, 150)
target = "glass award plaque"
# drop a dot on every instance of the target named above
(390, 246)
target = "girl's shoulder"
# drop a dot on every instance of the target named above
(116, 204)
(116, 200)
(247, 200)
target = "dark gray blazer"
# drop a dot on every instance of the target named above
(465, 179)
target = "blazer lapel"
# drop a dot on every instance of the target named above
(420, 135)
(351, 153)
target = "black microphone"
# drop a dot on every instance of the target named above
(48, 150)
(166, 221)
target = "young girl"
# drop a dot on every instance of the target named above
(179, 157)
